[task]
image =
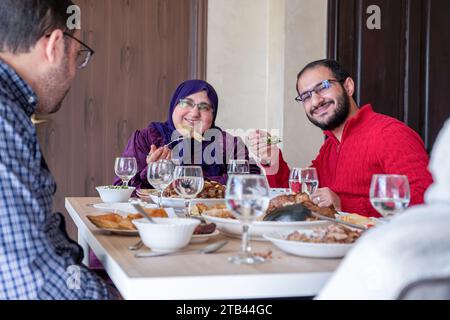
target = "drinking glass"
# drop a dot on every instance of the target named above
(125, 168)
(188, 183)
(247, 196)
(309, 180)
(160, 175)
(389, 193)
(238, 167)
(294, 180)
(176, 162)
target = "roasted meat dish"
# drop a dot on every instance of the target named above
(303, 198)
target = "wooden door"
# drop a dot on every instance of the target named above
(144, 49)
(401, 68)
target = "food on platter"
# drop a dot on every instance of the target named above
(299, 198)
(205, 228)
(187, 131)
(221, 213)
(358, 219)
(211, 190)
(331, 234)
(114, 221)
(198, 208)
(273, 140)
(119, 222)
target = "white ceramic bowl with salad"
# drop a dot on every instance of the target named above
(115, 193)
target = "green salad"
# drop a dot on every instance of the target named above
(115, 187)
(273, 140)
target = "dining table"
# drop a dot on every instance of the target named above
(190, 275)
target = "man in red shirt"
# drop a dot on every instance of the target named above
(359, 144)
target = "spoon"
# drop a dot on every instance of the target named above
(143, 212)
(213, 247)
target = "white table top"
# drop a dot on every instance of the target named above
(195, 276)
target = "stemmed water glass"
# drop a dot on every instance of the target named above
(309, 180)
(247, 196)
(160, 175)
(239, 166)
(125, 168)
(294, 180)
(389, 194)
(188, 183)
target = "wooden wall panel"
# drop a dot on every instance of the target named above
(402, 68)
(437, 75)
(143, 51)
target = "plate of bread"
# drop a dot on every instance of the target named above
(122, 223)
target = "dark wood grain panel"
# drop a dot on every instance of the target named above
(143, 52)
(438, 67)
(382, 58)
(401, 69)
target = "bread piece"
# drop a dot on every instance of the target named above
(106, 221)
(357, 219)
(156, 212)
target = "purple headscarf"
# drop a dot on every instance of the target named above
(167, 128)
(186, 89)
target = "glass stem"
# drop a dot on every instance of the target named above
(187, 203)
(125, 183)
(160, 198)
(246, 249)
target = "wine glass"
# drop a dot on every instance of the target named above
(238, 167)
(309, 180)
(294, 180)
(188, 183)
(125, 168)
(247, 196)
(176, 162)
(160, 175)
(389, 193)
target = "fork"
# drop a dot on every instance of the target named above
(176, 140)
(136, 246)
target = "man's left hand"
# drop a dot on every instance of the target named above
(325, 197)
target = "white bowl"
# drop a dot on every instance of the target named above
(111, 194)
(167, 234)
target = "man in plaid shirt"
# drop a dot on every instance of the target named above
(38, 61)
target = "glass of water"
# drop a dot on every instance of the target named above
(238, 167)
(188, 183)
(294, 180)
(125, 168)
(247, 196)
(389, 193)
(309, 180)
(160, 175)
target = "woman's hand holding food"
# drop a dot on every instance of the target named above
(156, 154)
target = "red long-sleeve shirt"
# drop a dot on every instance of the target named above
(371, 143)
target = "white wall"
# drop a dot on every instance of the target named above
(255, 50)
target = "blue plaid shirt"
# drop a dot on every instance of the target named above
(37, 258)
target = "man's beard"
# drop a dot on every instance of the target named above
(54, 85)
(339, 116)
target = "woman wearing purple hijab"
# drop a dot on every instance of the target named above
(193, 108)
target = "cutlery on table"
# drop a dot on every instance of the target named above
(213, 247)
(136, 246)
